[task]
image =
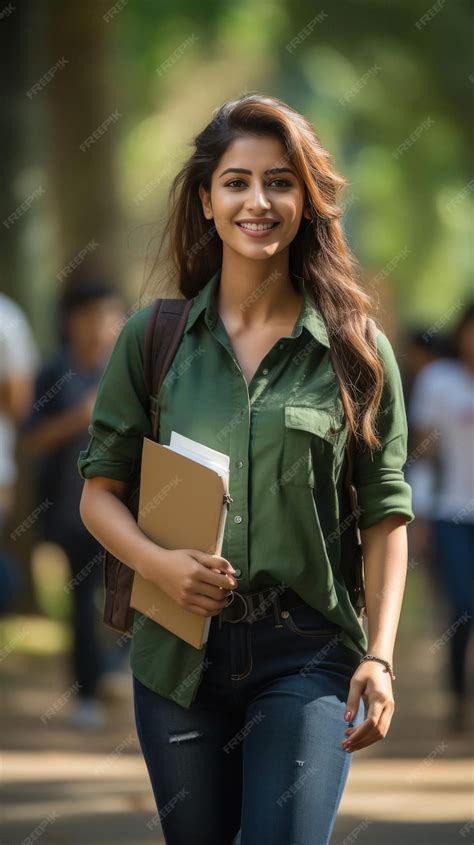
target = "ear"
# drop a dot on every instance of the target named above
(206, 203)
(307, 211)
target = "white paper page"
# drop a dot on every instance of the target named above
(199, 452)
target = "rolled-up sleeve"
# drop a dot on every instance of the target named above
(379, 475)
(120, 417)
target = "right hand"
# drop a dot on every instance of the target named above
(197, 581)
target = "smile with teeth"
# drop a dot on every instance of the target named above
(257, 227)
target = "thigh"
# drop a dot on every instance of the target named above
(294, 768)
(194, 768)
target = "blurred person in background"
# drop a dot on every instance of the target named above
(19, 359)
(421, 348)
(91, 313)
(441, 413)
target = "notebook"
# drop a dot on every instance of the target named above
(183, 504)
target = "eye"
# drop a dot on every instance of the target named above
(285, 183)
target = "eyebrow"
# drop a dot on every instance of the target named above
(249, 172)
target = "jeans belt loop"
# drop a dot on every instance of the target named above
(276, 610)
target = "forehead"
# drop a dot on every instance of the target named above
(255, 152)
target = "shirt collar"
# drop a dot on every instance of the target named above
(309, 318)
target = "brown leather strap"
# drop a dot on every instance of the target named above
(163, 334)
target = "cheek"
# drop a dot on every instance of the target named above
(290, 209)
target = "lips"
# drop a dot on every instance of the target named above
(257, 230)
(257, 227)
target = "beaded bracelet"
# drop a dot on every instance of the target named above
(388, 666)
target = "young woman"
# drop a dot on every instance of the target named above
(254, 732)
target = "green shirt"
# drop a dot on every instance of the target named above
(285, 434)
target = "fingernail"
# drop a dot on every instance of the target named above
(347, 715)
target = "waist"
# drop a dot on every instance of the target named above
(252, 606)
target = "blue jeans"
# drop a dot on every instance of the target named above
(259, 749)
(454, 553)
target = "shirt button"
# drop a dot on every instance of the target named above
(237, 519)
(238, 573)
(240, 464)
(284, 614)
(265, 371)
(282, 345)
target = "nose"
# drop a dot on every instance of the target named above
(257, 200)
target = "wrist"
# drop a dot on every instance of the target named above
(385, 665)
(150, 556)
(380, 650)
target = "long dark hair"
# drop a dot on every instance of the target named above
(190, 250)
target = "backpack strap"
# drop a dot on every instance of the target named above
(163, 334)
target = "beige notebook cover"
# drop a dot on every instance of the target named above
(182, 505)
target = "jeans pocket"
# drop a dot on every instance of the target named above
(306, 621)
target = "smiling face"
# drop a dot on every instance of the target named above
(256, 212)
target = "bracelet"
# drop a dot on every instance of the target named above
(388, 666)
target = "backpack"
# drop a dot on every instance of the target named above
(163, 334)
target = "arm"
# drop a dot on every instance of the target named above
(111, 462)
(108, 519)
(385, 500)
(385, 567)
(188, 576)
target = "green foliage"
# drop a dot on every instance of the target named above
(388, 91)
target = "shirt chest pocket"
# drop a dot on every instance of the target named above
(312, 441)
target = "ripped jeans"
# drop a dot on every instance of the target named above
(256, 759)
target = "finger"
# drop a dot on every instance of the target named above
(376, 734)
(373, 715)
(217, 579)
(209, 603)
(214, 561)
(353, 699)
(212, 592)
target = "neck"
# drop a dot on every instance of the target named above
(255, 293)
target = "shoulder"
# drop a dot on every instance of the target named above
(135, 323)
(389, 358)
(131, 337)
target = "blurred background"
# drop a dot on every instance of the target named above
(100, 104)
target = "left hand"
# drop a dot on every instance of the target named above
(374, 684)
